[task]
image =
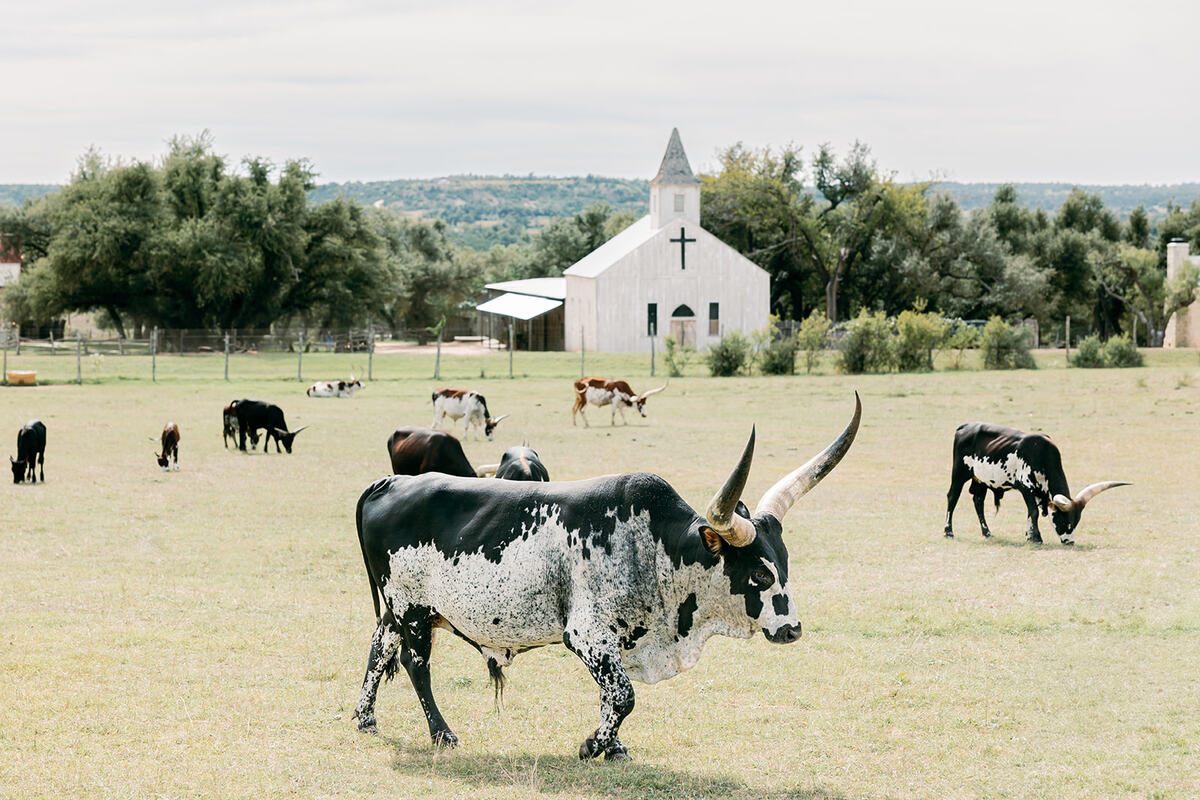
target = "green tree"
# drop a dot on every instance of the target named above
(1134, 277)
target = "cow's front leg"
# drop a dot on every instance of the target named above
(417, 625)
(1031, 509)
(603, 660)
(956, 484)
(387, 640)
(979, 494)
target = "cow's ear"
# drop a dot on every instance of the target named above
(712, 540)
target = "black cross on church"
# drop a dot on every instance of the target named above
(683, 240)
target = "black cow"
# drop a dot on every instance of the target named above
(517, 464)
(31, 449)
(229, 427)
(999, 458)
(414, 451)
(253, 415)
(619, 569)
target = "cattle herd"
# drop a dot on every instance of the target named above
(619, 569)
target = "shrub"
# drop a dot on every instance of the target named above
(917, 336)
(778, 354)
(1119, 351)
(866, 345)
(961, 337)
(812, 338)
(1005, 346)
(730, 356)
(1090, 352)
(677, 357)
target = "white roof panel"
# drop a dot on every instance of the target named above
(555, 288)
(519, 306)
(613, 250)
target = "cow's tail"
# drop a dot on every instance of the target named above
(496, 674)
(362, 546)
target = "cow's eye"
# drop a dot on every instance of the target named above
(763, 577)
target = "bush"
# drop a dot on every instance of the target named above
(1090, 352)
(1118, 351)
(961, 337)
(812, 338)
(866, 345)
(730, 356)
(778, 355)
(677, 357)
(917, 336)
(1005, 346)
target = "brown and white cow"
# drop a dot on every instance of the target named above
(459, 403)
(170, 447)
(607, 392)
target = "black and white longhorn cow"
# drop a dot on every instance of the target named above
(619, 569)
(459, 403)
(253, 415)
(998, 458)
(31, 452)
(335, 388)
(517, 464)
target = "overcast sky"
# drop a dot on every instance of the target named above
(1085, 92)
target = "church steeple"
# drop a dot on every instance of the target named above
(674, 191)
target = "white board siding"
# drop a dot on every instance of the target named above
(611, 307)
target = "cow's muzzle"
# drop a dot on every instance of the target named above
(785, 635)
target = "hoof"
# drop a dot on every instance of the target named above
(987, 534)
(949, 534)
(589, 749)
(368, 726)
(445, 739)
(617, 753)
(1068, 542)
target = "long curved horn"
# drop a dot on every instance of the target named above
(652, 391)
(496, 420)
(784, 494)
(486, 470)
(293, 433)
(738, 531)
(1089, 492)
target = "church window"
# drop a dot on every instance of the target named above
(652, 319)
(714, 319)
(683, 311)
(679, 203)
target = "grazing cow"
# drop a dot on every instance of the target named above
(998, 458)
(517, 464)
(230, 427)
(603, 392)
(459, 403)
(31, 451)
(335, 388)
(416, 450)
(253, 415)
(170, 446)
(619, 569)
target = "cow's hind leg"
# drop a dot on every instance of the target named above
(417, 625)
(979, 494)
(382, 661)
(603, 661)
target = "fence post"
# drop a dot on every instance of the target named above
(299, 355)
(651, 356)
(226, 355)
(79, 358)
(5, 374)
(1135, 332)
(437, 364)
(51, 342)
(1068, 340)
(154, 355)
(510, 346)
(120, 345)
(371, 353)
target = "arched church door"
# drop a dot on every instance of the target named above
(683, 326)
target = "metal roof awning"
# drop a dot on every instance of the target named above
(519, 306)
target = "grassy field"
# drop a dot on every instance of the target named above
(202, 634)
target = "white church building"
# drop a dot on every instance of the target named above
(662, 276)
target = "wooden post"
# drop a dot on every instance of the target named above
(510, 346)
(1135, 332)
(79, 358)
(120, 345)
(299, 355)
(5, 373)
(1068, 340)
(154, 355)
(437, 364)
(371, 352)
(226, 355)
(181, 341)
(51, 342)
(651, 356)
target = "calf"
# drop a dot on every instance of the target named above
(998, 458)
(459, 403)
(170, 446)
(335, 388)
(253, 415)
(31, 451)
(414, 451)
(605, 392)
(517, 464)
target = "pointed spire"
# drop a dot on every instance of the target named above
(675, 169)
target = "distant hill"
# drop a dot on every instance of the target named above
(483, 210)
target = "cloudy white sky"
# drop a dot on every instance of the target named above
(1087, 92)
